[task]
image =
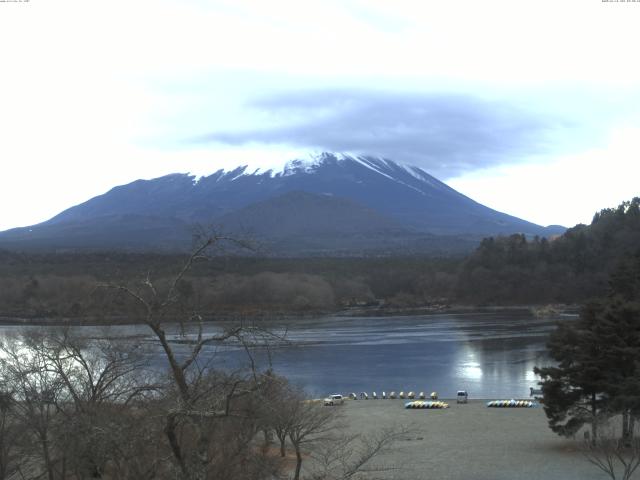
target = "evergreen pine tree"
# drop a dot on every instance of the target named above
(598, 360)
(574, 389)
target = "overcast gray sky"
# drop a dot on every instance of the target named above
(532, 108)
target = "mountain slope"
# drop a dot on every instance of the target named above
(122, 231)
(376, 194)
(303, 213)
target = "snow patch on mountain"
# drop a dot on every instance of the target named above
(313, 162)
(368, 164)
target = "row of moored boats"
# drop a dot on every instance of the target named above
(393, 395)
(512, 404)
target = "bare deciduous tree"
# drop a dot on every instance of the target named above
(311, 423)
(354, 456)
(74, 398)
(617, 457)
(279, 400)
(10, 436)
(36, 393)
(100, 379)
(201, 405)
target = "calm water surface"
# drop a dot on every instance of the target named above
(491, 355)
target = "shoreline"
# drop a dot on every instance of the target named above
(355, 312)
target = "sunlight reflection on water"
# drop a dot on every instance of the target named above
(491, 355)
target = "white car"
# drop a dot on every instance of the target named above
(334, 400)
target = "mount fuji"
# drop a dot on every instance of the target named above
(327, 204)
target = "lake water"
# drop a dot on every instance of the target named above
(491, 355)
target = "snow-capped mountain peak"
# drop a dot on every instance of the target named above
(304, 164)
(377, 195)
(316, 162)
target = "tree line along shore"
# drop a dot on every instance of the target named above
(502, 271)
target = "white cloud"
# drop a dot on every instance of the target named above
(566, 190)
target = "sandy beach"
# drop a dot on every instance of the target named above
(472, 442)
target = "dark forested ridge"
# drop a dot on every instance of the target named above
(570, 268)
(510, 270)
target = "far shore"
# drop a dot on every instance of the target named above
(364, 312)
(470, 442)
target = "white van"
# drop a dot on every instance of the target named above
(334, 399)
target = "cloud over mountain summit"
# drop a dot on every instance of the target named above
(444, 134)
